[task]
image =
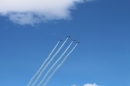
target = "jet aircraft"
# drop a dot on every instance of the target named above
(77, 42)
(68, 36)
(60, 40)
(73, 40)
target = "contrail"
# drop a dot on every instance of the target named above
(54, 64)
(59, 65)
(43, 64)
(49, 62)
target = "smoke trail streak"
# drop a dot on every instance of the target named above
(59, 65)
(48, 63)
(43, 64)
(55, 64)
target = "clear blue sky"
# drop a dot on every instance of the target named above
(103, 57)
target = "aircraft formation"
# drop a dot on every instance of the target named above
(49, 66)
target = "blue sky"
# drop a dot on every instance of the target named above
(102, 27)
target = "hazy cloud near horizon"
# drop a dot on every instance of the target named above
(88, 84)
(34, 11)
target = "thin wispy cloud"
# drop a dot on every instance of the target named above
(88, 84)
(35, 11)
(74, 85)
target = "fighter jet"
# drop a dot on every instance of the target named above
(60, 40)
(68, 36)
(77, 42)
(73, 40)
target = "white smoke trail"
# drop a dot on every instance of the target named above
(55, 64)
(43, 64)
(59, 65)
(48, 63)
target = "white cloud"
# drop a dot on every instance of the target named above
(90, 84)
(74, 85)
(34, 11)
